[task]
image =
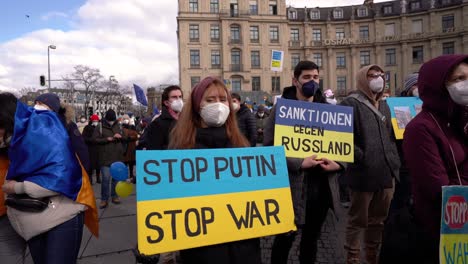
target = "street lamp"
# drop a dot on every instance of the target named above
(48, 59)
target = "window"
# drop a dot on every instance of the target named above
(316, 34)
(448, 23)
(362, 12)
(415, 5)
(364, 32)
(193, 33)
(236, 60)
(365, 57)
(254, 37)
(340, 59)
(295, 59)
(418, 54)
(215, 59)
(341, 85)
(235, 33)
(194, 80)
(292, 14)
(214, 33)
(417, 26)
(274, 36)
(294, 34)
(390, 29)
(448, 48)
(314, 14)
(275, 84)
(194, 58)
(253, 8)
(193, 6)
(390, 57)
(273, 9)
(340, 34)
(214, 6)
(388, 9)
(256, 86)
(317, 58)
(338, 13)
(236, 84)
(255, 59)
(234, 10)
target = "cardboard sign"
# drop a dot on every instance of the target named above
(403, 109)
(194, 198)
(454, 225)
(277, 57)
(305, 129)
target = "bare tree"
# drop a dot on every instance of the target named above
(91, 79)
(25, 90)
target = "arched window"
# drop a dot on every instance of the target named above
(314, 14)
(292, 14)
(362, 11)
(338, 13)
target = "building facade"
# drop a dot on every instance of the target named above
(233, 39)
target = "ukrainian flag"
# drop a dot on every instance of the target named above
(41, 152)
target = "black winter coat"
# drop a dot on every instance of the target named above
(247, 124)
(108, 151)
(157, 133)
(92, 146)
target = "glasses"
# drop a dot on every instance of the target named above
(375, 75)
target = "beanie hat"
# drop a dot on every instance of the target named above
(261, 108)
(51, 100)
(110, 115)
(94, 117)
(199, 90)
(410, 81)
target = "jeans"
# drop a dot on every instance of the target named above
(106, 177)
(59, 245)
(12, 246)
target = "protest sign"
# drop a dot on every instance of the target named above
(403, 109)
(277, 57)
(193, 198)
(305, 129)
(454, 225)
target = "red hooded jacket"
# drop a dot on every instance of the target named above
(427, 147)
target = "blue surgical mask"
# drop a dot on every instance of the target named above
(310, 88)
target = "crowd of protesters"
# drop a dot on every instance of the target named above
(388, 176)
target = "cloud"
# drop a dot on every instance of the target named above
(53, 14)
(136, 41)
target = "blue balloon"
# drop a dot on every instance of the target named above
(119, 171)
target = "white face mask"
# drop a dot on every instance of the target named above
(126, 121)
(41, 107)
(261, 114)
(215, 114)
(83, 120)
(235, 106)
(95, 123)
(376, 85)
(177, 105)
(416, 92)
(111, 122)
(331, 101)
(459, 92)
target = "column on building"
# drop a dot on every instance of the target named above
(351, 78)
(330, 70)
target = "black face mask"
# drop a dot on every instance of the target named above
(310, 88)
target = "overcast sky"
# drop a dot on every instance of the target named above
(134, 40)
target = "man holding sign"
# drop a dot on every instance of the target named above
(313, 181)
(376, 164)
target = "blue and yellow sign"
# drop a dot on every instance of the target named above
(403, 109)
(194, 198)
(454, 225)
(305, 129)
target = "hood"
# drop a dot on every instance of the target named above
(243, 108)
(67, 111)
(363, 84)
(431, 84)
(290, 93)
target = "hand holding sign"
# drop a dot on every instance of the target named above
(329, 165)
(310, 162)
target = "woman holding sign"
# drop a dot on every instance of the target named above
(436, 146)
(208, 121)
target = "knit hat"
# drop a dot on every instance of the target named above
(410, 81)
(261, 108)
(51, 100)
(94, 117)
(110, 115)
(199, 90)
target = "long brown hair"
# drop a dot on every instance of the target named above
(183, 134)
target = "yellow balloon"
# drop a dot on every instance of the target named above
(123, 189)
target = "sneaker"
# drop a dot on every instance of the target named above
(103, 204)
(116, 200)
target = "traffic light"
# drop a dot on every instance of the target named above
(42, 80)
(90, 111)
